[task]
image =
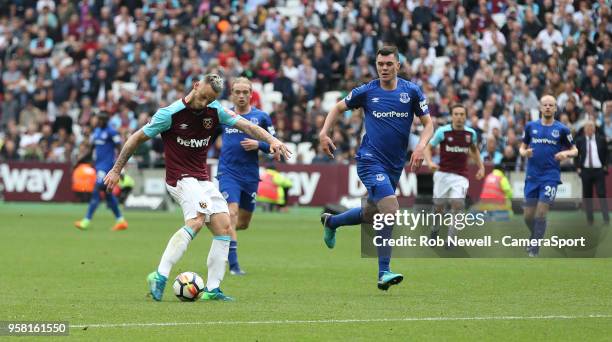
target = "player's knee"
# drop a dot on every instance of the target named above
(540, 214)
(368, 212)
(196, 223)
(388, 206)
(242, 226)
(224, 229)
(457, 205)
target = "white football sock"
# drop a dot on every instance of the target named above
(217, 258)
(174, 251)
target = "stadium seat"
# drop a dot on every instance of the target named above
(329, 99)
(269, 98)
(257, 87)
(268, 87)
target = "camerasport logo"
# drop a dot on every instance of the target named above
(30, 180)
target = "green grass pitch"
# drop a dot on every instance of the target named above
(296, 289)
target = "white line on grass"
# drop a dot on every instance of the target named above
(335, 321)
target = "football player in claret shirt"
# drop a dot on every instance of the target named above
(390, 104)
(187, 127)
(546, 142)
(457, 144)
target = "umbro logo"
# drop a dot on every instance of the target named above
(183, 126)
(375, 99)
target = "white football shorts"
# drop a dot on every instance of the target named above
(196, 196)
(449, 185)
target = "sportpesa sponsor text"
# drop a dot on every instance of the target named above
(391, 114)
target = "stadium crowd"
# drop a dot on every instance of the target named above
(63, 61)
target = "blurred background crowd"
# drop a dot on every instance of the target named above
(63, 61)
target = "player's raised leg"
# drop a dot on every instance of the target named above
(331, 222)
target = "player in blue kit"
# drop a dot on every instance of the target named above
(546, 142)
(238, 171)
(390, 104)
(105, 143)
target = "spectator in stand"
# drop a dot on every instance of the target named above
(53, 52)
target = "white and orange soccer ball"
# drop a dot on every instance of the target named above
(188, 286)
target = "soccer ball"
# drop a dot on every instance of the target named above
(188, 286)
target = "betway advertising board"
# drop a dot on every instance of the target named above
(320, 184)
(37, 182)
(313, 184)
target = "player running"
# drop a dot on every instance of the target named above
(546, 142)
(457, 143)
(390, 104)
(186, 127)
(105, 140)
(238, 172)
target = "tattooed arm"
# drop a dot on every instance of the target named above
(112, 177)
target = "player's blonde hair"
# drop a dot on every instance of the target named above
(242, 80)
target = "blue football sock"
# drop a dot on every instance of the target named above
(350, 217)
(232, 256)
(93, 203)
(384, 252)
(113, 204)
(539, 229)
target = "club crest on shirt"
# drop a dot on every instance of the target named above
(207, 123)
(404, 98)
(450, 139)
(468, 138)
(203, 205)
(380, 177)
(555, 133)
(535, 131)
(254, 121)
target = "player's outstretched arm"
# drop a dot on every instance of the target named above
(112, 177)
(276, 146)
(418, 154)
(326, 142)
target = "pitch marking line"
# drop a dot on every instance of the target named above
(334, 321)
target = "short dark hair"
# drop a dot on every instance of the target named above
(388, 50)
(458, 105)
